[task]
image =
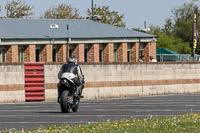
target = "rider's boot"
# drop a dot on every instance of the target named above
(78, 91)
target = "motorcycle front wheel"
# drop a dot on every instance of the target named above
(64, 104)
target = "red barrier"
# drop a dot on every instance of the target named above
(34, 89)
(33, 68)
(34, 84)
(34, 75)
(34, 93)
(29, 79)
(35, 98)
(34, 81)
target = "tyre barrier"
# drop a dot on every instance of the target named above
(34, 81)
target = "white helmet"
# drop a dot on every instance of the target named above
(72, 59)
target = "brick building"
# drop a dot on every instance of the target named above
(27, 40)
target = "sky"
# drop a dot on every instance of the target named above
(154, 12)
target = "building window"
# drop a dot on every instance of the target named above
(71, 50)
(129, 56)
(55, 51)
(101, 55)
(115, 52)
(101, 52)
(129, 52)
(115, 55)
(142, 45)
(20, 53)
(38, 55)
(86, 53)
(2, 54)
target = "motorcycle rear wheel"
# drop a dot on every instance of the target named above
(75, 108)
(64, 104)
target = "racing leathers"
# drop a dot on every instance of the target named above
(74, 72)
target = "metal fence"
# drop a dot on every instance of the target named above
(177, 57)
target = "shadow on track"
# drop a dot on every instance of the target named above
(48, 112)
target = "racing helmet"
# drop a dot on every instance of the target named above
(72, 59)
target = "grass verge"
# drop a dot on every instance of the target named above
(167, 124)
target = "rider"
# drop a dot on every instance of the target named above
(74, 72)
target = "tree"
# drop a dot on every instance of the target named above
(176, 34)
(155, 30)
(183, 21)
(62, 11)
(168, 27)
(18, 9)
(183, 18)
(173, 43)
(169, 40)
(107, 16)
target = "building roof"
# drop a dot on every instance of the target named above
(40, 29)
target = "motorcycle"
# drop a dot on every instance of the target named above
(68, 100)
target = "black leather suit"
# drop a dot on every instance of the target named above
(75, 69)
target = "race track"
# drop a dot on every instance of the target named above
(34, 115)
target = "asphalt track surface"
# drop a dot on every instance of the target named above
(34, 115)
